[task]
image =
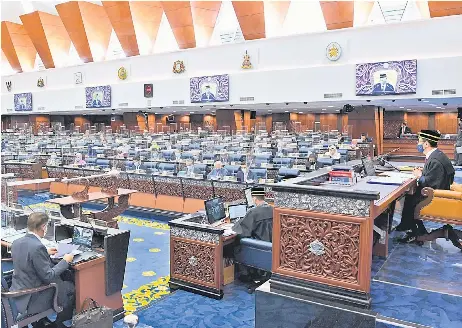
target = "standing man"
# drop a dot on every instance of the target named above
(33, 268)
(437, 173)
(458, 154)
(404, 129)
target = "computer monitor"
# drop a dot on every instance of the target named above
(248, 197)
(368, 165)
(215, 210)
(82, 236)
(237, 211)
(56, 214)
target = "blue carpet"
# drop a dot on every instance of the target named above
(183, 309)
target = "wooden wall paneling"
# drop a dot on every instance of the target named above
(282, 118)
(180, 18)
(363, 120)
(417, 121)
(238, 119)
(338, 14)
(248, 123)
(446, 122)
(251, 17)
(269, 123)
(328, 122)
(116, 122)
(81, 121)
(18, 47)
(141, 120)
(210, 120)
(225, 117)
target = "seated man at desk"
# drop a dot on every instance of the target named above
(437, 173)
(78, 160)
(218, 171)
(257, 224)
(404, 129)
(33, 268)
(258, 221)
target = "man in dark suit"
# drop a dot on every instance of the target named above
(96, 101)
(33, 268)
(383, 87)
(207, 95)
(437, 173)
(404, 129)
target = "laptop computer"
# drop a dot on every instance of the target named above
(83, 237)
(237, 212)
(215, 211)
(369, 167)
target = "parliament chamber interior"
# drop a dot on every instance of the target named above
(238, 164)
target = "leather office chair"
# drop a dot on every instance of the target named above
(9, 311)
(256, 174)
(324, 161)
(238, 158)
(259, 159)
(186, 155)
(442, 206)
(283, 162)
(149, 166)
(168, 155)
(209, 157)
(235, 171)
(202, 168)
(285, 173)
(103, 163)
(168, 167)
(91, 161)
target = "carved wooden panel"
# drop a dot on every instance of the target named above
(193, 261)
(319, 247)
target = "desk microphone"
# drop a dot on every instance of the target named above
(383, 159)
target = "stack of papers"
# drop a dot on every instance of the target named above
(64, 249)
(388, 180)
(400, 175)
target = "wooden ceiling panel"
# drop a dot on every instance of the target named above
(147, 16)
(180, 18)
(98, 28)
(119, 14)
(444, 8)
(70, 15)
(338, 14)
(251, 17)
(204, 15)
(49, 37)
(18, 47)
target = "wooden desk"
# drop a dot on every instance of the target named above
(90, 280)
(196, 256)
(322, 238)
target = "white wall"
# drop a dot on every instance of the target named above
(290, 69)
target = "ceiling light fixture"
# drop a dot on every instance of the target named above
(409, 109)
(401, 107)
(438, 107)
(286, 111)
(330, 106)
(323, 109)
(300, 112)
(425, 101)
(191, 112)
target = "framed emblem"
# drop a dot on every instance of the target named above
(148, 90)
(8, 85)
(333, 51)
(246, 64)
(178, 67)
(78, 78)
(40, 83)
(122, 73)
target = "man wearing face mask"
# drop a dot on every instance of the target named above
(33, 268)
(437, 173)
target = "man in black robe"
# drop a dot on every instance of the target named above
(258, 221)
(257, 224)
(437, 173)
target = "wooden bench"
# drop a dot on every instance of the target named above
(442, 206)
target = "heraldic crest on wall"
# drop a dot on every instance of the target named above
(8, 85)
(178, 67)
(40, 83)
(246, 64)
(333, 51)
(122, 73)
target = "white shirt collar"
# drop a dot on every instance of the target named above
(33, 233)
(429, 153)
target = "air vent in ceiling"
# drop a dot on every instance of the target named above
(450, 91)
(41, 108)
(78, 107)
(123, 104)
(178, 102)
(8, 110)
(148, 102)
(247, 99)
(437, 92)
(333, 95)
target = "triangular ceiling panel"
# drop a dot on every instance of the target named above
(362, 10)
(204, 15)
(179, 16)
(147, 16)
(120, 16)
(338, 14)
(18, 47)
(444, 8)
(251, 17)
(49, 37)
(275, 16)
(88, 27)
